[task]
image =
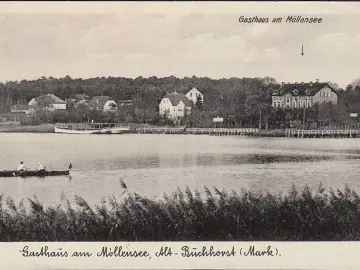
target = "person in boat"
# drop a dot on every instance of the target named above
(40, 167)
(21, 167)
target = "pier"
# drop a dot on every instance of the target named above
(327, 133)
(198, 131)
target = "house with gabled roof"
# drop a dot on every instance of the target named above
(174, 105)
(195, 96)
(49, 101)
(302, 95)
(102, 104)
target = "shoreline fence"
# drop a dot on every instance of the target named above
(198, 131)
(326, 133)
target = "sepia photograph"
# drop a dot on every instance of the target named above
(127, 123)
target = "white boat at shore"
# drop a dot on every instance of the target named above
(91, 128)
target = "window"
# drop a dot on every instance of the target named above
(287, 99)
(328, 93)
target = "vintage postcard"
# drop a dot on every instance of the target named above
(192, 135)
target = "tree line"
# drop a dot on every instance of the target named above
(240, 101)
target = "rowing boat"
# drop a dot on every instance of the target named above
(33, 173)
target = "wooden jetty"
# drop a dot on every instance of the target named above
(198, 131)
(326, 133)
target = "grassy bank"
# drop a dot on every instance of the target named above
(43, 128)
(187, 216)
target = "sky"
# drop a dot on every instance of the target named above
(132, 42)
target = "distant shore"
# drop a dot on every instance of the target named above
(136, 129)
(43, 128)
(147, 129)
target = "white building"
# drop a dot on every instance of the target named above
(174, 105)
(195, 95)
(302, 95)
(49, 101)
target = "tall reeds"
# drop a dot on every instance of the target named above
(211, 215)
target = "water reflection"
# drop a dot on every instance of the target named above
(151, 165)
(190, 160)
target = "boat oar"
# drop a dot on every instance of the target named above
(21, 172)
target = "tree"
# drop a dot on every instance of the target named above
(82, 113)
(199, 103)
(42, 108)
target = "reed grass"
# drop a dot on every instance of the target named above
(211, 215)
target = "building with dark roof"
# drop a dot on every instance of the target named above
(302, 95)
(102, 104)
(174, 105)
(49, 101)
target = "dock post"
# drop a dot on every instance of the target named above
(350, 133)
(302, 134)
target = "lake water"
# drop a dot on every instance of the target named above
(153, 164)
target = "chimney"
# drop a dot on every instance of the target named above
(282, 83)
(311, 83)
(317, 80)
(302, 83)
